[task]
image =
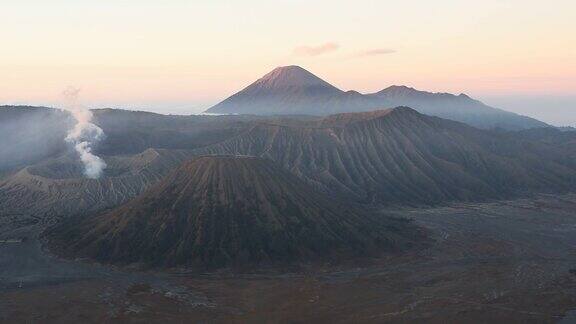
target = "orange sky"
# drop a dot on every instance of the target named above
(191, 54)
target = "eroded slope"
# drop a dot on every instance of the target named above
(227, 210)
(400, 156)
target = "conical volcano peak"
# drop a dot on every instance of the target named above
(292, 76)
(285, 90)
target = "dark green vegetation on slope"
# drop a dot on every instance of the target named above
(219, 211)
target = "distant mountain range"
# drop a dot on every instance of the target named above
(292, 90)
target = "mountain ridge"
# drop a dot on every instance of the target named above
(292, 90)
(400, 156)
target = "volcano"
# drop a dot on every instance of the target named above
(218, 211)
(292, 90)
(56, 187)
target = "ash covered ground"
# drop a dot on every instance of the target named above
(511, 261)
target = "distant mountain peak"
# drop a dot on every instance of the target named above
(401, 90)
(291, 76)
(289, 69)
(284, 90)
(399, 87)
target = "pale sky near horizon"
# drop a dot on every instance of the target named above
(183, 56)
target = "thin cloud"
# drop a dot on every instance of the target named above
(375, 52)
(316, 50)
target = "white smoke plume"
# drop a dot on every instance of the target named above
(84, 134)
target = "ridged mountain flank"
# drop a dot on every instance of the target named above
(217, 211)
(399, 156)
